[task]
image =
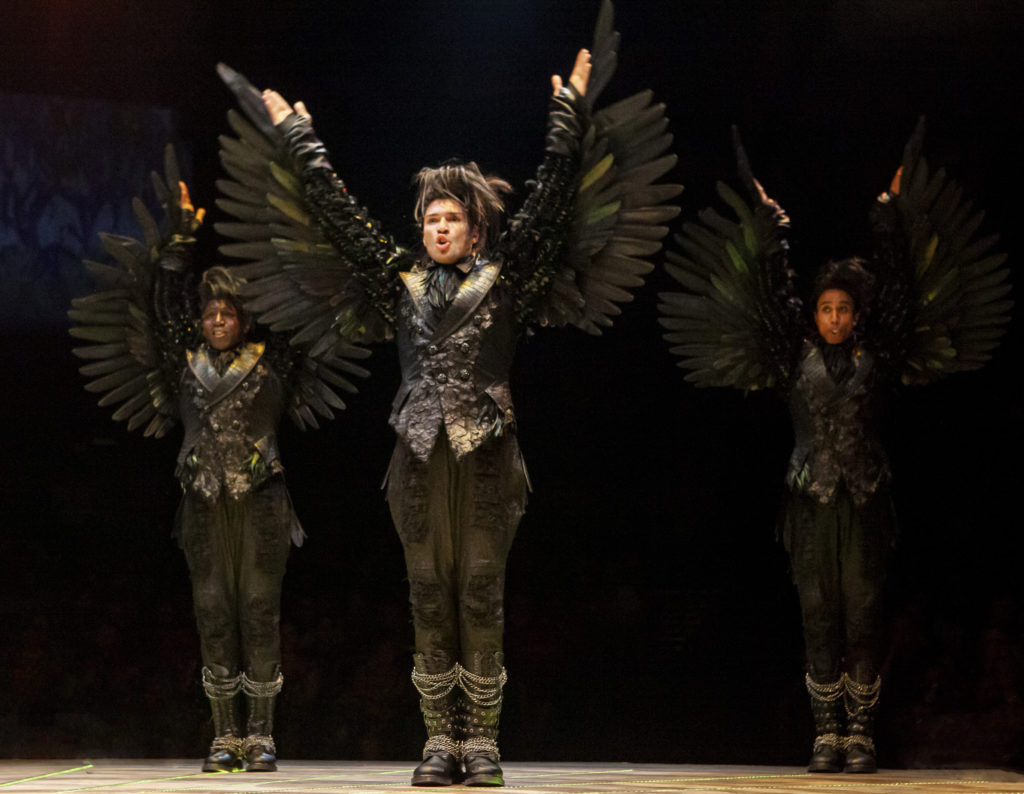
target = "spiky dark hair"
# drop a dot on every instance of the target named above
(466, 184)
(219, 284)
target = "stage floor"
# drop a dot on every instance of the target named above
(157, 776)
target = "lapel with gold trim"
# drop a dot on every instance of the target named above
(472, 290)
(220, 386)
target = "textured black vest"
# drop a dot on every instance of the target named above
(455, 362)
(231, 421)
(836, 441)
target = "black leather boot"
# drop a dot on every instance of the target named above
(482, 681)
(435, 676)
(258, 746)
(830, 740)
(439, 768)
(226, 749)
(861, 707)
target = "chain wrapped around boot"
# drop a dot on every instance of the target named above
(482, 683)
(435, 677)
(258, 748)
(861, 702)
(226, 749)
(830, 739)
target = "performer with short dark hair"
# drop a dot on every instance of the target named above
(235, 522)
(457, 484)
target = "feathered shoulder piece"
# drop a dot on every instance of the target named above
(739, 322)
(142, 320)
(592, 221)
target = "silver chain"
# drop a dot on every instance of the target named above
(442, 743)
(220, 688)
(862, 696)
(826, 692)
(480, 689)
(259, 740)
(231, 744)
(434, 686)
(262, 689)
(480, 744)
(864, 742)
(833, 740)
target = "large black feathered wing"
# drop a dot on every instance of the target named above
(618, 212)
(142, 320)
(942, 304)
(326, 296)
(145, 319)
(738, 321)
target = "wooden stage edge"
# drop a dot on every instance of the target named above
(131, 776)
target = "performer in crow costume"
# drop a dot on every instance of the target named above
(235, 522)
(457, 484)
(930, 302)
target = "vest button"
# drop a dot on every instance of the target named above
(464, 347)
(463, 374)
(441, 378)
(432, 350)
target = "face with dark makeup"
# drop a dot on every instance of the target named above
(221, 327)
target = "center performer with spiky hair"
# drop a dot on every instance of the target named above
(457, 484)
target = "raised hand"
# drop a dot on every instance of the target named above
(279, 109)
(192, 218)
(580, 74)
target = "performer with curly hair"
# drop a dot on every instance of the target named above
(932, 304)
(839, 524)
(456, 485)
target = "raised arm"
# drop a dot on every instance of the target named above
(374, 257)
(942, 304)
(138, 324)
(318, 266)
(738, 323)
(539, 235)
(582, 240)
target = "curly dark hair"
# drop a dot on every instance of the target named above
(466, 184)
(851, 277)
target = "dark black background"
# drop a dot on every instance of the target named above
(650, 614)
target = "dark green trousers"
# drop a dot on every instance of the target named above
(839, 555)
(237, 551)
(457, 520)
